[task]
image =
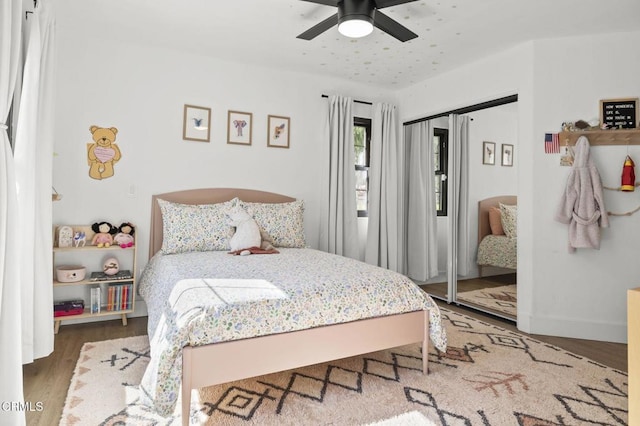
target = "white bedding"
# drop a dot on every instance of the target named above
(206, 297)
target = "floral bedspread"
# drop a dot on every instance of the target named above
(207, 297)
(498, 250)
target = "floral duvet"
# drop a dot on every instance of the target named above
(498, 250)
(207, 297)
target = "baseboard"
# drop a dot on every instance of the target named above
(576, 329)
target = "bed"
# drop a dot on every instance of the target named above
(216, 318)
(497, 247)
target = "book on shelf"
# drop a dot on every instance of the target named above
(96, 296)
(119, 297)
(125, 274)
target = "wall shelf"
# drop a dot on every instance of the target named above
(602, 137)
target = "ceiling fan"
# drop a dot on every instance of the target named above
(356, 18)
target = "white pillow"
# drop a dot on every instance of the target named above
(200, 227)
(283, 223)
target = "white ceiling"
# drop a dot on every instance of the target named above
(450, 32)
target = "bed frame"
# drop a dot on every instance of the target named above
(236, 360)
(483, 215)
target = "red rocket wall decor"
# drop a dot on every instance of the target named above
(628, 175)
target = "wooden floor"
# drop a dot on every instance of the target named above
(440, 290)
(47, 379)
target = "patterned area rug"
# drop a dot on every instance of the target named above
(488, 376)
(503, 299)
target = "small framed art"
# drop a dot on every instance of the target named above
(196, 123)
(278, 131)
(488, 153)
(507, 154)
(239, 126)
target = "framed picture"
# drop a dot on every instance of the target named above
(196, 124)
(239, 125)
(488, 153)
(507, 154)
(278, 130)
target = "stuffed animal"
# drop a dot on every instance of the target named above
(103, 234)
(80, 237)
(124, 237)
(103, 153)
(247, 233)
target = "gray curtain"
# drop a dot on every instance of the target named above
(422, 246)
(339, 221)
(385, 239)
(459, 192)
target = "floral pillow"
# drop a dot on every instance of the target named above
(283, 223)
(509, 214)
(201, 227)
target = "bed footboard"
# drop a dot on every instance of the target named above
(280, 352)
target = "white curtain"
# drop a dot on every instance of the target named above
(10, 349)
(385, 239)
(33, 159)
(458, 208)
(339, 221)
(422, 244)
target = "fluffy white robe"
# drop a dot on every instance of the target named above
(582, 204)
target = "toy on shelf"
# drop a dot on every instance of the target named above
(80, 237)
(124, 237)
(111, 266)
(104, 232)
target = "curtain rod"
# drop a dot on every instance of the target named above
(477, 107)
(355, 100)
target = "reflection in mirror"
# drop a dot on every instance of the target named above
(436, 283)
(491, 282)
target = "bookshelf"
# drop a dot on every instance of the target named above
(92, 258)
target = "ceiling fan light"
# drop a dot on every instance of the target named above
(355, 28)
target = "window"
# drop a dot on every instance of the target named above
(362, 145)
(440, 150)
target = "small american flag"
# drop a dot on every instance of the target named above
(551, 143)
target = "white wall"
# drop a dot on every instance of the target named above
(141, 90)
(580, 295)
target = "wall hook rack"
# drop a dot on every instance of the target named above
(602, 137)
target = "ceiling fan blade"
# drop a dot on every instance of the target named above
(381, 4)
(318, 29)
(393, 28)
(325, 2)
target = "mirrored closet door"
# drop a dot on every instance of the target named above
(486, 279)
(443, 248)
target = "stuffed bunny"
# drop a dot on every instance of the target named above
(247, 233)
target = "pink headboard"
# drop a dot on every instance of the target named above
(483, 212)
(204, 196)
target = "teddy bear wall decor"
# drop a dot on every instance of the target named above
(104, 232)
(103, 152)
